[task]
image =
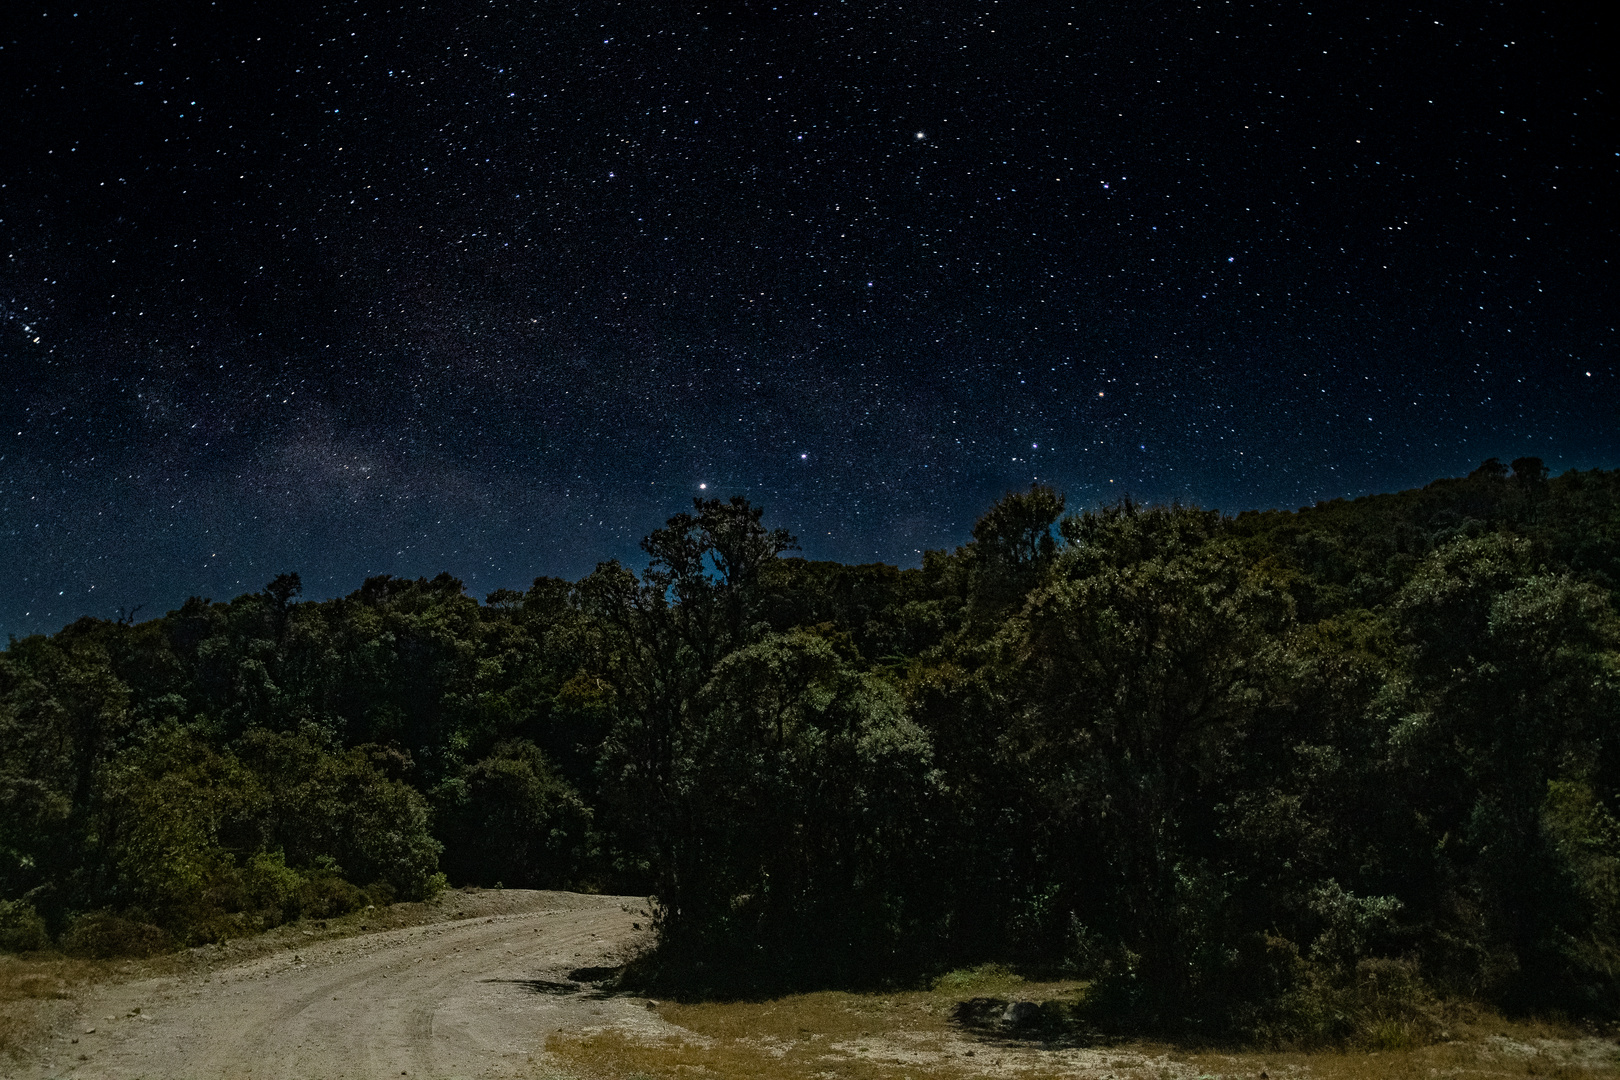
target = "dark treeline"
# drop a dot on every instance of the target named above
(1266, 776)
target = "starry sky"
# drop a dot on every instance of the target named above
(495, 287)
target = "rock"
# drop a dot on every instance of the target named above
(1020, 1013)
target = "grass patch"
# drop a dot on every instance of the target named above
(35, 988)
(881, 1036)
(1493, 1053)
(956, 1030)
(984, 979)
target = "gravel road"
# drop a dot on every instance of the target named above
(468, 997)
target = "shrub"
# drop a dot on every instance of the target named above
(340, 806)
(160, 813)
(1377, 1004)
(270, 887)
(21, 928)
(325, 895)
(103, 934)
(510, 818)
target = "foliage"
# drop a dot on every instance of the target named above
(510, 819)
(21, 928)
(1301, 777)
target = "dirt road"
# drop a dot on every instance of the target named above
(469, 997)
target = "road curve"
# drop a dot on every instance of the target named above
(473, 997)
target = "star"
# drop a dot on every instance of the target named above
(549, 336)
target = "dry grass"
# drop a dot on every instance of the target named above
(1514, 1052)
(832, 1034)
(950, 1032)
(35, 988)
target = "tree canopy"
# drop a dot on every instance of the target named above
(1238, 770)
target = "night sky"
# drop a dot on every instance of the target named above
(495, 288)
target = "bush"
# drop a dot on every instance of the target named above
(160, 814)
(1378, 1004)
(103, 934)
(340, 806)
(270, 887)
(325, 895)
(21, 928)
(510, 818)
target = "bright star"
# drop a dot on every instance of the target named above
(920, 135)
(702, 486)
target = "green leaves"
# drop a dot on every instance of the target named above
(804, 789)
(1017, 531)
(1281, 775)
(509, 818)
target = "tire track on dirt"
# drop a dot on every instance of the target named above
(475, 997)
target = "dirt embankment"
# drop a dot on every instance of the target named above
(473, 995)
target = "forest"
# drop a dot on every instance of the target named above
(1257, 776)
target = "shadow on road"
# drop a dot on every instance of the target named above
(590, 982)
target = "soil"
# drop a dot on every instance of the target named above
(474, 993)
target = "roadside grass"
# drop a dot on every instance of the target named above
(861, 1036)
(37, 988)
(954, 1031)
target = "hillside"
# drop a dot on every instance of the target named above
(1252, 775)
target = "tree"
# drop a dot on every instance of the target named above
(510, 819)
(1131, 679)
(1016, 533)
(280, 593)
(660, 638)
(807, 790)
(1512, 692)
(1529, 471)
(709, 565)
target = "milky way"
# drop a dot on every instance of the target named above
(353, 289)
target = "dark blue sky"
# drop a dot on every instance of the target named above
(495, 288)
